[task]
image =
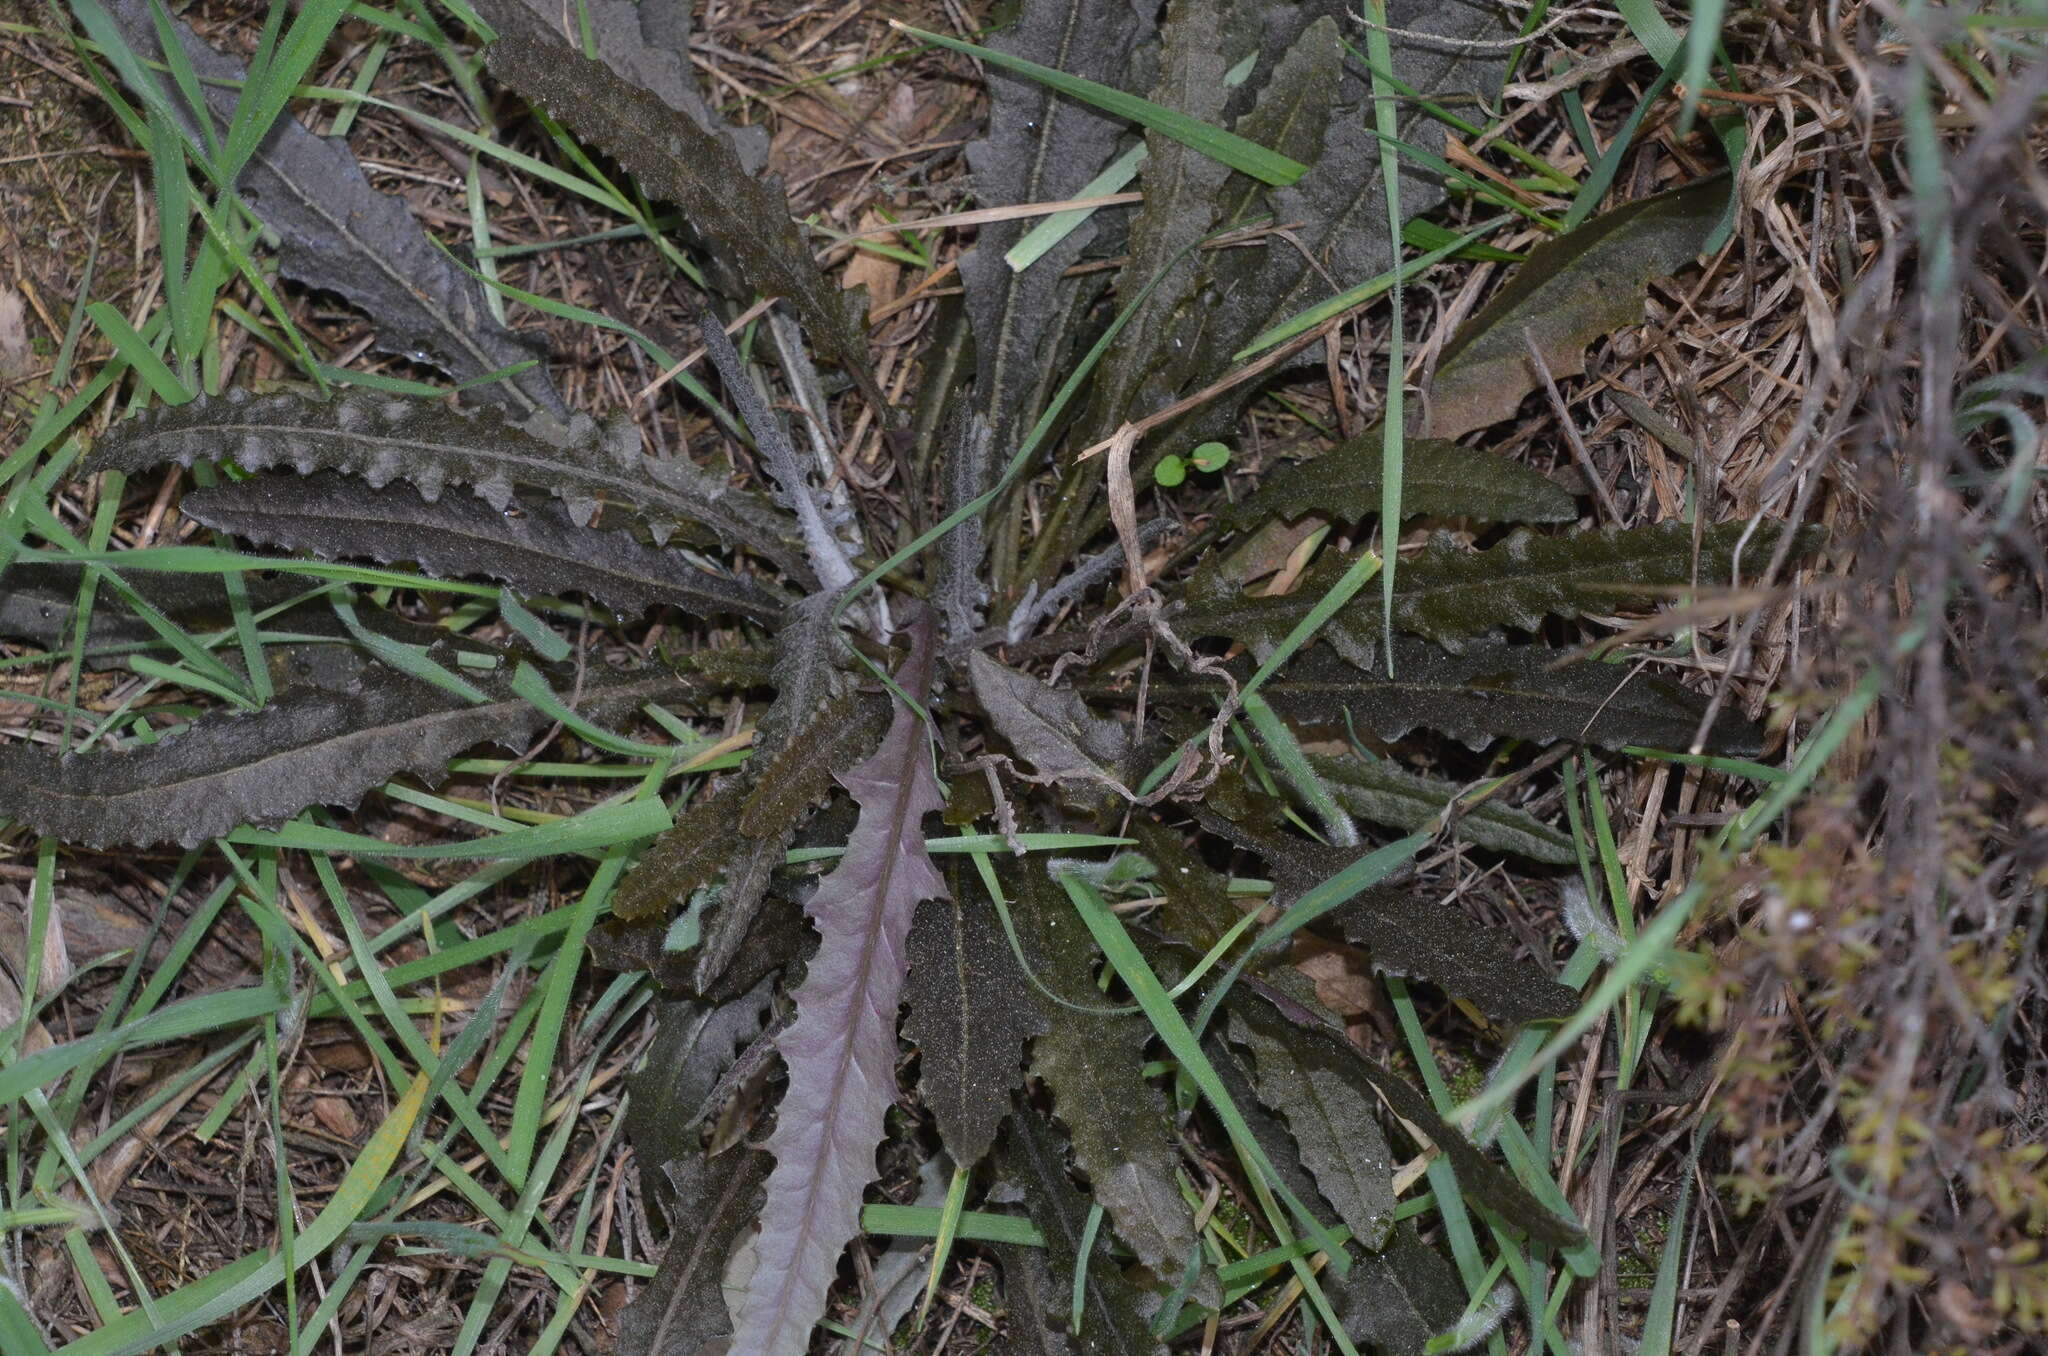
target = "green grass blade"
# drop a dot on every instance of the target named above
(1248, 157)
(1324, 312)
(1651, 943)
(138, 354)
(973, 1226)
(1031, 247)
(1660, 1322)
(1386, 120)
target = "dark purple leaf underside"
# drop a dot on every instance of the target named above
(841, 1049)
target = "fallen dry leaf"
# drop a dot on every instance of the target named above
(882, 276)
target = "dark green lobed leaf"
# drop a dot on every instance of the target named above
(1478, 1175)
(1031, 1159)
(1439, 479)
(1454, 596)
(1197, 908)
(1334, 1124)
(1389, 1295)
(1037, 1305)
(312, 746)
(694, 1043)
(970, 1013)
(713, 1203)
(1450, 594)
(1568, 293)
(1041, 147)
(687, 857)
(1094, 1065)
(1414, 936)
(1497, 689)
(1399, 1298)
(647, 45)
(744, 218)
(782, 785)
(795, 776)
(38, 604)
(1338, 210)
(540, 552)
(1383, 793)
(776, 936)
(1180, 186)
(337, 234)
(1407, 933)
(385, 438)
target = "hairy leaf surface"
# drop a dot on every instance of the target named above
(694, 1043)
(645, 43)
(1094, 1065)
(970, 1014)
(746, 219)
(1291, 112)
(683, 1306)
(1399, 1298)
(1338, 210)
(539, 552)
(841, 1049)
(1454, 596)
(1407, 1277)
(384, 438)
(797, 771)
(741, 833)
(1407, 933)
(1198, 908)
(1384, 793)
(312, 746)
(1417, 937)
(688, 856)
(707, 1204)
(802, 718)
(1032, 1159)
(1036, 1305)
(1494, 689)
(1041, 147)
(338, 234)
(1438, 479)
(38, 602)
(1051, 728)
(1180, 186)
(1478, 1175)
(1334, 1123)
(1568, 293)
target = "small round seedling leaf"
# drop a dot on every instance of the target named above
(1170, 472)
(1211, 456)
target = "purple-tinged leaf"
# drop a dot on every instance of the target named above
(841, 1050)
